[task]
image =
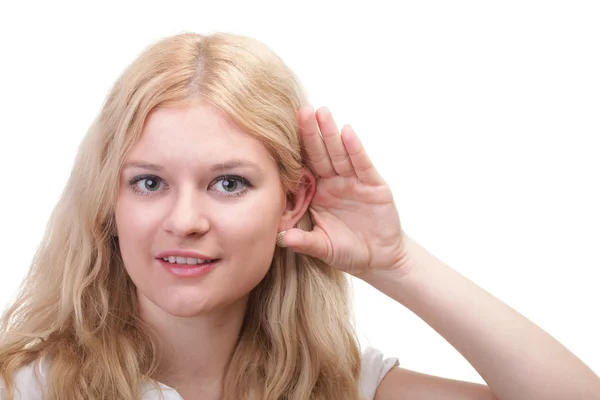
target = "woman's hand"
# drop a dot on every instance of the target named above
(357, 227)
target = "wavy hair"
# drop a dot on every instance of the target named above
(77, 307)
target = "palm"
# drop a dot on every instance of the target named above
(357, 227)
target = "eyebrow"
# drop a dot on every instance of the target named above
(229, 164)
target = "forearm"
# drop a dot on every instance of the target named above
(516, 358)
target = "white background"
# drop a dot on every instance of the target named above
(484, 117)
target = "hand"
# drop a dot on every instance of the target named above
(357, 227)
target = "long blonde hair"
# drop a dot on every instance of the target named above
(78, 307)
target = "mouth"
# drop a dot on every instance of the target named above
(183, 261)
(186, 266)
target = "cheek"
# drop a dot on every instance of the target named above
(248, 242)
(254, 221)
(136, 226)
(248, 230)
(134, 218)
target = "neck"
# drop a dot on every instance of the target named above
(195, 351)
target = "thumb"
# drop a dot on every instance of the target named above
(309, 243)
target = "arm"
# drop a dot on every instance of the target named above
(357, 230)
(516, 358)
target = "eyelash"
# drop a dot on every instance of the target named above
(247, 185)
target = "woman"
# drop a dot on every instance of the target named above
(201, 245)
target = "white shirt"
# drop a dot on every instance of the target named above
(373, 368)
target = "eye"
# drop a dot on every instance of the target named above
(146, 184)
(231, 185)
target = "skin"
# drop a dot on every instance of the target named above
(357, 230)
(516, 358)
(171, 198)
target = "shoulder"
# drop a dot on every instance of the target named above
(29, 381)
(374, 367)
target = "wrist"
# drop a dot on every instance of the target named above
(375, 277)
(416, 278)
(411, 259)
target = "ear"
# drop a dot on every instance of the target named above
(297, 202)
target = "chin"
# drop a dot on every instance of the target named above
(195, 305)
(187, 307)
(187, 313)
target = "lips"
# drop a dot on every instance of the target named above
(186, 264)
(186, 260)
(188, 270)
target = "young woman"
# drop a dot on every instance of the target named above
(201, 246)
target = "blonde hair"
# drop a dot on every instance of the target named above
(78, 307)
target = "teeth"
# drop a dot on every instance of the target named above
(184, 260)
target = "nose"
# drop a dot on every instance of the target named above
(187, 216)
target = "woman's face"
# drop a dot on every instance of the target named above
(197, 189)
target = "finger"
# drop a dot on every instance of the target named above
(310, 243)
(313, 143)
(363, 167)
(333, 141)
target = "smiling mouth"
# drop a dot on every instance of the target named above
(184, 261)
(185, 267)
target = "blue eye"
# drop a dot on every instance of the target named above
(146, 184)
(232, 185)
(227, 185)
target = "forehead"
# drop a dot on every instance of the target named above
(194, 133)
